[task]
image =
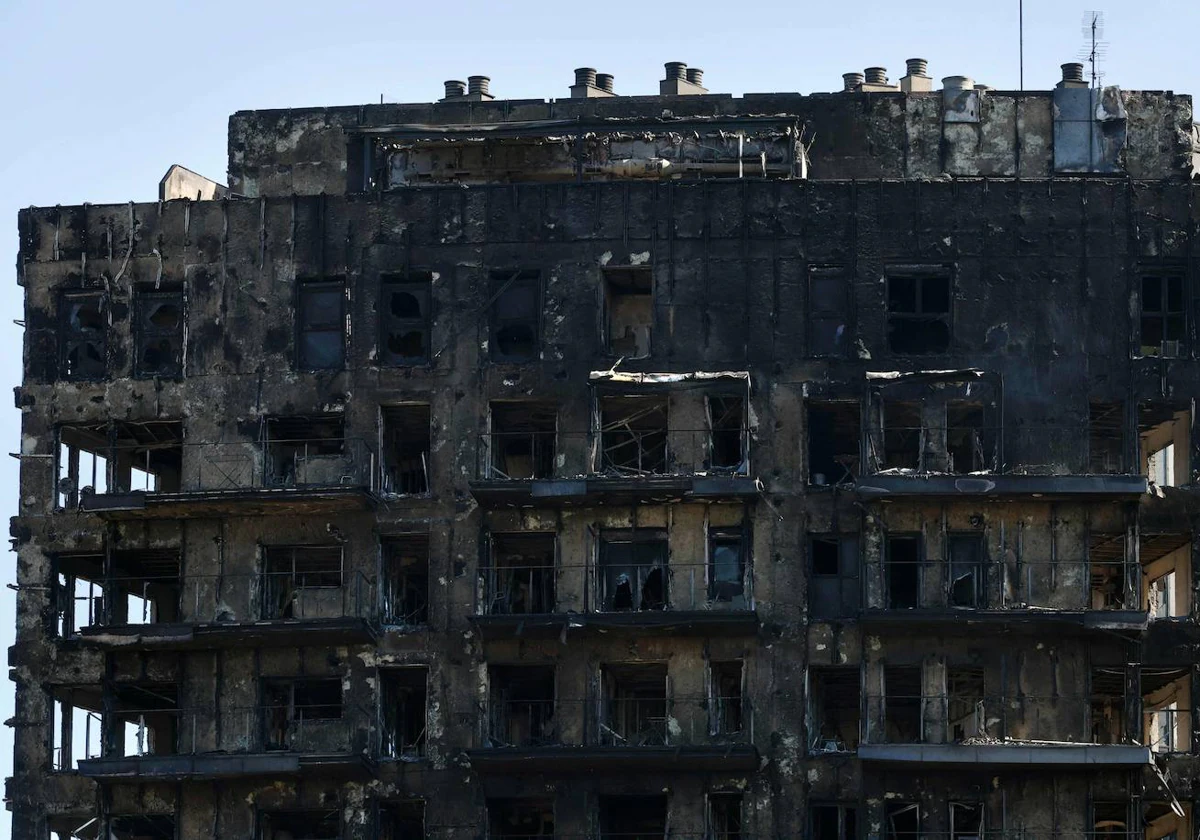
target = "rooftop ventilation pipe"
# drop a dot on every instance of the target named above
(852, 81)
(876, 75)
(455, 89)
(680, 81)
(604, 81)
(590, 84)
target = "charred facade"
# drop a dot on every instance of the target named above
(679, 466)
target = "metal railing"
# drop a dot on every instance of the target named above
(942, 719)
(639, 721)
(975, 447)
(622, 452)
(625, 587)
(224, 598)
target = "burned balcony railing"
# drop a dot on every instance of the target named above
(950, 449)
(636, 721)
(285, 464)
(519, 590)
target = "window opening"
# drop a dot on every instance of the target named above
(1107, 561)
(520, 819)
(828, 311)
(83, 335)
(727, 567)
(1164, 319)
(834, 429)
(729, 439)
(965, 704)
(902, 704)
(404, 820)
(903, 436)
(633, 570)
(522, 706)
(77, 726)
(522, 440)
(302, 581)
(1106, 438)
(322, 333)
(835, 589)
(834, 708)
(406, 318)
(405, 711)
(633, 817)
(968, 571)
(833, 822)
(633, 435)
(142, 827)
(726, 701)
(966, 821)
(629, 311)
(118, 458)
(970, 443)
(290, 707)
(516, 316)
(144, 720)
(1108, 705)
(902, 821)
(918, 314)
(1166, 564)
(306, 451)
(521, 578)
(159, 331)
(725, 816)
(1110, 820)
(635, 706)
(903, 572)
(1167, 712)
(309, 825)
(406, 448)
(1164, 433)
(406, 570)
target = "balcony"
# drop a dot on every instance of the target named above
(161, 745)
(625, 464)
(646, 732)
(291, 477)
(194, 612)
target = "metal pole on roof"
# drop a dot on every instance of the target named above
(1021, 38)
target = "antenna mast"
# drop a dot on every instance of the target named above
(1095, 47)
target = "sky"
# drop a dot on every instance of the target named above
(103, 97)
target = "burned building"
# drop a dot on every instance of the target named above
(622, 466)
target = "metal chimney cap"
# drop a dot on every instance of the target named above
(585, 76)
(1072, 71)
(851, 81)
(695, 75)
(676, 70)
(876, 75)
(917, 66)
(604, 81)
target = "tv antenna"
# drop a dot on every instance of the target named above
(1095, 47)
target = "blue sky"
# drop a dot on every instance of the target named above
(102, 97)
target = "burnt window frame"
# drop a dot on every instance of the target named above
(317, 285)
(843, 611)
(1164, 314)
(144, 295)
(500, 282)
(919, 274)
(405, 282)
(610, 278)
(814, 314)
(738, 535)
(843, 808)
(68, 336)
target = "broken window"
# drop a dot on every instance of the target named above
(828, 311)
(834, 430)
(405, 318)
(142, 587)
(725, 816)
(143, 720)
(902, 704)
(321, 341)
(325, 824)
(1107, 705)
(727, 567)
(729, 441)
(968, 571)
(516, 308)
(405, 430)
(633, 435)
(903, 436)
(1110, 820)
(520, 819)
(141, 827)
(293, 709)
(306, 451)
(835, 589)
(520, 579)
(970, 442)
(1164, 434)
(628, 311)
(1109, 582)
(725, 702)
(1166, 566)
(1106, 438)
(302, 581)
(1164, 319)
(1167, 712)
(77, 726)
(120, 457)
(833, 822)
(521, 443)
(404, 701)
(158, 331)
(633, 570)
(834, 709)
(406, 579)
(965, 707)
(83, 335)
(966, 821)
(632, 817)
(902, 821)
(403, 820)
(918, 312)
(634, 705)
(903, 572)
(522, 706)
